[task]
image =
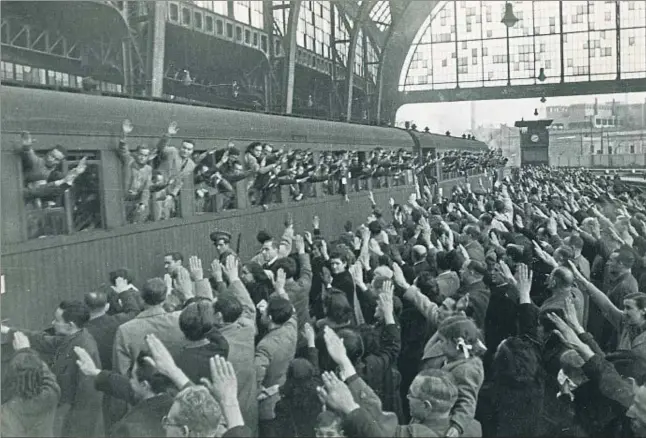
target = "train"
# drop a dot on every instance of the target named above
(37, 273)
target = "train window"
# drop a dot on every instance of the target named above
(186, 16)
(632, 148)
(247, 36)
(230, 30)
(238, 33)
(209, 24)
(263, 43)
(198, 20)
(219, 27)
(60, 199)
(7, 70)
(174, 12)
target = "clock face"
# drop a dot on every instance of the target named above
(534, 138)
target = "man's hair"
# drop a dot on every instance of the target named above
(76, 312)
(443, 260)
(177, 256)
(196, 320)
(263, 236)
(337, 307)
(121, 272)
(288, 265)
(472, 231)
(142, 147)
(353, 343)
(198, 411)
(626, 256)
(439, 388)
(279, 309)
(191, 142)
(563, 275)
(61, 149)
(25, 376)
(576, 242)
(146, 372)
(228, 306)
(154, 291)
(96, 300)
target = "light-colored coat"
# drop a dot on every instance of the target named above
(130, 337)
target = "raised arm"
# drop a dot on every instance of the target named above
(238, 289)
(608, 309)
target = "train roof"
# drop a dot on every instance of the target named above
(446, 142)
(56, 113)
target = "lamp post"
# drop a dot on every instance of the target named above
(509, 20)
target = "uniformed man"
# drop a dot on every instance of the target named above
(222, 240)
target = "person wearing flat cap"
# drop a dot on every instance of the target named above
(222, 240)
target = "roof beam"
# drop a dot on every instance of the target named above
(524, 91)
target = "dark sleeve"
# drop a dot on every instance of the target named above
(129, 302)
(116, 385)
(390, 344)
(610, 382)
(238, 431)
(313, 357)
(528, 320)
(359, 423)
(592, 343)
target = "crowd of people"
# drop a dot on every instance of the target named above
(505, 310)
(154, 176)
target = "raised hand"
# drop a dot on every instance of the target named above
(565, 332)
(316, 222)
(172, 128)
(385, 299)
(20, 341)
(216, 270)
(335, 347)
(524, 277)
(506, 272)
(126, 127)
(224, 382)
(299, 244)
(578, 276)
(570, 316)
(356, 270)
(398, 276)
(230, 268)
(336, 394)
(195, 268)
(309, 335)
(279, 281)
(26, 138)
(85, 362)
(159, 357)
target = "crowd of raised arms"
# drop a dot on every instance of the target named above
(508, 311)
(153, 177)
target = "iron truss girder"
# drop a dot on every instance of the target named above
(26, 37)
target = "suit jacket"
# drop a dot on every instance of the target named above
(34, 417)
(479, 296)
(475, 251)
(172, 166)
(448, 283)
(130, 337)
(299, 294)
(104, 328)
(241, 336)
(274, 353)
(80, 405)
(194, 357)
(145, 417)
